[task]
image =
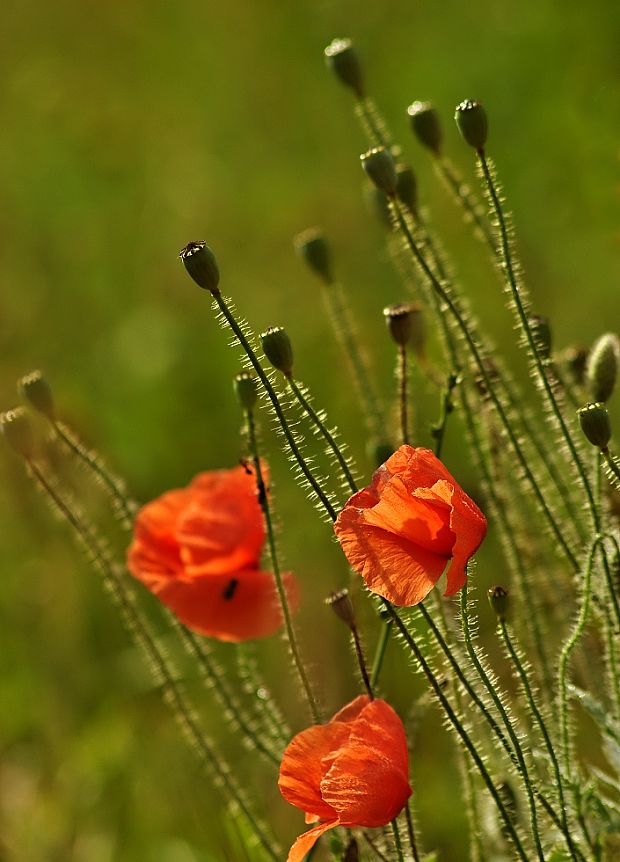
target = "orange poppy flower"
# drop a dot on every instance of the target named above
(198, 550)
(401, 531)
(352, 771)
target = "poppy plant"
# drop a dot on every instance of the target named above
(401, 531)
(198, 550)
(352, 771)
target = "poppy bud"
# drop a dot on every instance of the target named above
(425, 125)
(407, 187)
(246, 390)
(201, 265)
(541, 330)
(312, 246)
(36, 390)
(18, 432)
(380, 168)
(342, 58)
(499, 600)
(471, 120)
(602, 367)
(595, 424)
(342, 606)
(405, 322)
(278, 349)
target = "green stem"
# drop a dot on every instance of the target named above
(288, 434)
(402, 393)
(397, 841)
(325, 433)
(377, 664)
(111, 484)
(173, 694)
(263, 498)
(411, 833)
(475, 351)
(459, 728)
(447, 406)
(359, 652)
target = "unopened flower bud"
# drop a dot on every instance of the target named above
(17, 430)
(425, 125)
(312, 246)
(407, 187)
(201, 265)
(37, 391)
(541, 330)
(342, 606)
(342, 58)
(278, 349)
(471, 120)
(380, 168)
(405, 323)
(246, 389)
(602, 367)
(595, 424)
(499, 600)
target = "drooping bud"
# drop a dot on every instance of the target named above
(541, 330)
(342, 58)
(278, 349)
(499, 600)
(201, 265)
(18, 432)
(602, 367)
(312, 246)
(407, 187)
(342, 606)
(405, 322)
(425, 125)
(471, 120)
(380, 168)
(595, 424)
(37, 391)
(246, 389)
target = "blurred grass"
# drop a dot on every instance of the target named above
(129, 128)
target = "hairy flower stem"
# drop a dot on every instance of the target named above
(447, 406)
(411, 833)
(324, 432)
(465, 198)
(492, 691)
(361, 661)
(288, 434)
(538, 718)
(397, 841)
(508, 269)
(173, 694)
(401, 374)
(111, 484)
(263, 499)
(438, 287)
(459, 728)
(381, 648)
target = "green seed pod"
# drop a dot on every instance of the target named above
(541, 330)
(342, 606)
(201, 265)
(312, 246)
(425, 125)
(380, 168)
(499, 600)
(471, 119)
(18, 432)
(378, 204)
(342, 58)
(246, 389)
(37, 391)
(405, 322)
(407, 187)
(278, 349)
(595, 424)
(602, 367)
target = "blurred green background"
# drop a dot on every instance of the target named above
(129, 128)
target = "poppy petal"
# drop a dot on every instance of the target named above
(368, 783)
(307, 840)
(470, 527)
(233, 607)
(154, 552)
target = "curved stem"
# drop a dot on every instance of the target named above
(263, 498)
(377, 664)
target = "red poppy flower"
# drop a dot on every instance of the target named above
(198, 550)
(352, 771)
(401, 531)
